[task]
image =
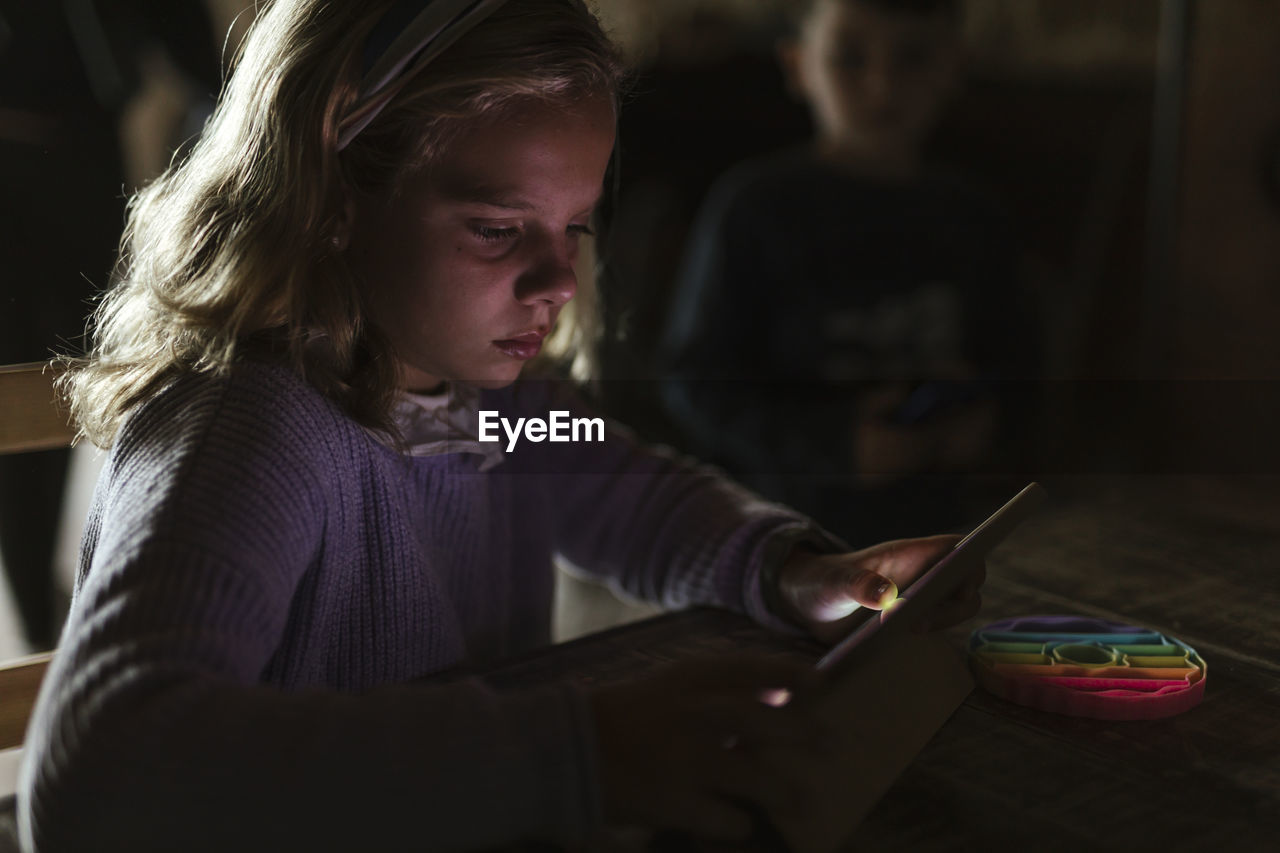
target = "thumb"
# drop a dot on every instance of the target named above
(847, 589)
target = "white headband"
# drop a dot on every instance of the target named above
(402, 38)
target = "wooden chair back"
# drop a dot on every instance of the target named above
(30, 419)
(19, 684)
(30, 416)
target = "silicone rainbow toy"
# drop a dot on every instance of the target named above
(1087, 667)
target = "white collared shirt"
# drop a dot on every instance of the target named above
(447, 422)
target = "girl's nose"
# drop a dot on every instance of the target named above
(552, 280)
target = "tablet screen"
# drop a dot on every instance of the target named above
(933, 586)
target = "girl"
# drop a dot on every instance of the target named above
(375, 234)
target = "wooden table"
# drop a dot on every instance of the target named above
(1193, 557)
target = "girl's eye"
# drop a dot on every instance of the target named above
(581, 230)
(491, 234)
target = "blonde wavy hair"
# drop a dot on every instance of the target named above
(230, 253)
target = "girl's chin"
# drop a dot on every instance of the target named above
(492, 384)
(491, 377)
(495, 379)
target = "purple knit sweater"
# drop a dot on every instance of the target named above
(259, 579)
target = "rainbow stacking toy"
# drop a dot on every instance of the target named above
(1087, 667)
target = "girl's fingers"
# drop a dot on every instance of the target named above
(714, 791)
(678, 749)
(782, 782)
(831, 588)
(754, 722)
(866, 588)
(842, 590)
(906, 559)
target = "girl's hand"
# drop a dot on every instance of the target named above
(696, 747)
(827, 593)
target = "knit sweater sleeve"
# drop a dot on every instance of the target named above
(657, 525)
(154, 729)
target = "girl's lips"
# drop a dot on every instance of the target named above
(523, 349)
(523, 346)
(530, 337)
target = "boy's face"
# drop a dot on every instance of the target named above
(468, 266)
(875, 81)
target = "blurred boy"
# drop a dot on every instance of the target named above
(876, 74)
(845, 308)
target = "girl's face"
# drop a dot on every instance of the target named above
(468, 266)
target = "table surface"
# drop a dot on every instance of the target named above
(1193, 557)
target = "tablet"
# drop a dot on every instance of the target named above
(931, 587)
